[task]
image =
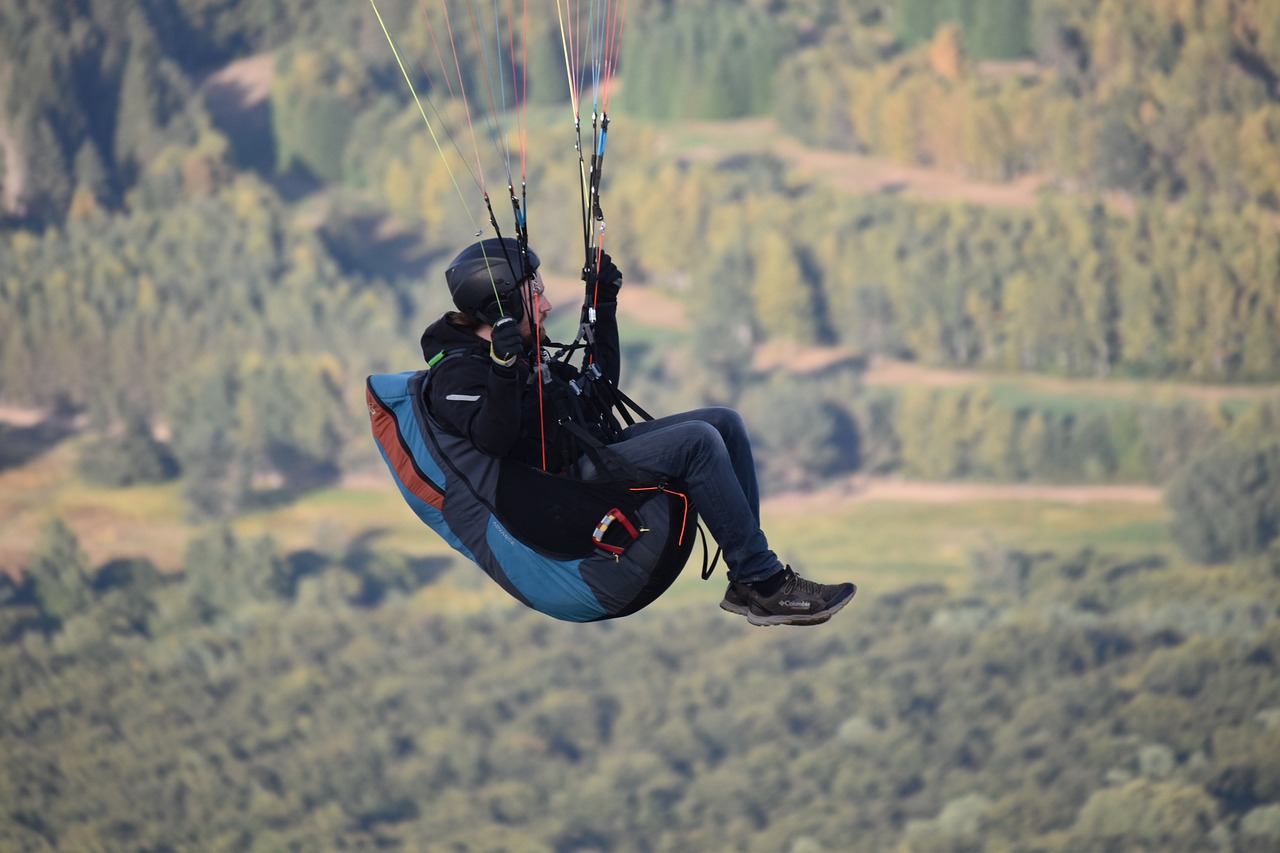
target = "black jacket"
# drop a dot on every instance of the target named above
(498, 409)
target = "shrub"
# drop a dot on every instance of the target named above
(1226, 501)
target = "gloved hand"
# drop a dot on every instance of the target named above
(603, 280)
(505, 342)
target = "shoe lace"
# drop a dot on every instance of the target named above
(796, 584)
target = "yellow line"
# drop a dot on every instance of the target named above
(423, 113)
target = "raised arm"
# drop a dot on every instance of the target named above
(603, 284)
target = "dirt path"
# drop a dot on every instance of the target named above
(890, 373)
(242, 84)
(861, 174)
(21, 416)
(845, 170)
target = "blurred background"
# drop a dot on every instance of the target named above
(996, 284)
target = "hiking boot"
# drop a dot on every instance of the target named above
(799, 602)
(737, 598)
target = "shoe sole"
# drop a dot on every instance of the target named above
(807, 619)
(736, 609)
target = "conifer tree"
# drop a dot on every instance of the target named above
(202, 411)
(783, 296)
(60, 573)
(47, 186)
(316, 95)
(137, 127)
(687, 62)
(916, 20)
(1001, 29)
(93, 182)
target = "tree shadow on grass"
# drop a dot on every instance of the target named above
(380, 570)
(371, 243)
(22, 444)
(300, 480)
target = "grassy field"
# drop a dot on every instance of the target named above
(1056, 393)
(882, 544)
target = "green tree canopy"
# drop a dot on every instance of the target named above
(59, 572)
(1226, 501)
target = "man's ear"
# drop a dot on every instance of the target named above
(491, 311)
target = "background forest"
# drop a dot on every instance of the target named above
(218, 631)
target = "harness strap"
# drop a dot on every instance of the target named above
(601, 455)
(708, 571)
(622, 402)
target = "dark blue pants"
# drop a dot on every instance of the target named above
(709, 451)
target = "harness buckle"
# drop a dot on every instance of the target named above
(603, 526)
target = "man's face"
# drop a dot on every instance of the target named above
(534, 298)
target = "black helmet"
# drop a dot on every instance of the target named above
(485, 278)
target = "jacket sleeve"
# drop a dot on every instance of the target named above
(478, 400)
(607, 346)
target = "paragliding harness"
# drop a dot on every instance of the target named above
(577, 550)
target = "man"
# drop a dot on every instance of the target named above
(499, 405)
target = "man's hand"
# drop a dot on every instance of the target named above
(603, 280)
(505, 342)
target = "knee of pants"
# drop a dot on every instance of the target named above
(728, 422)
(702, 439)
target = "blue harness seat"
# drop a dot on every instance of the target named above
(579, 551)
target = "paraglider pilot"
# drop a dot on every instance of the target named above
(495, 403)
